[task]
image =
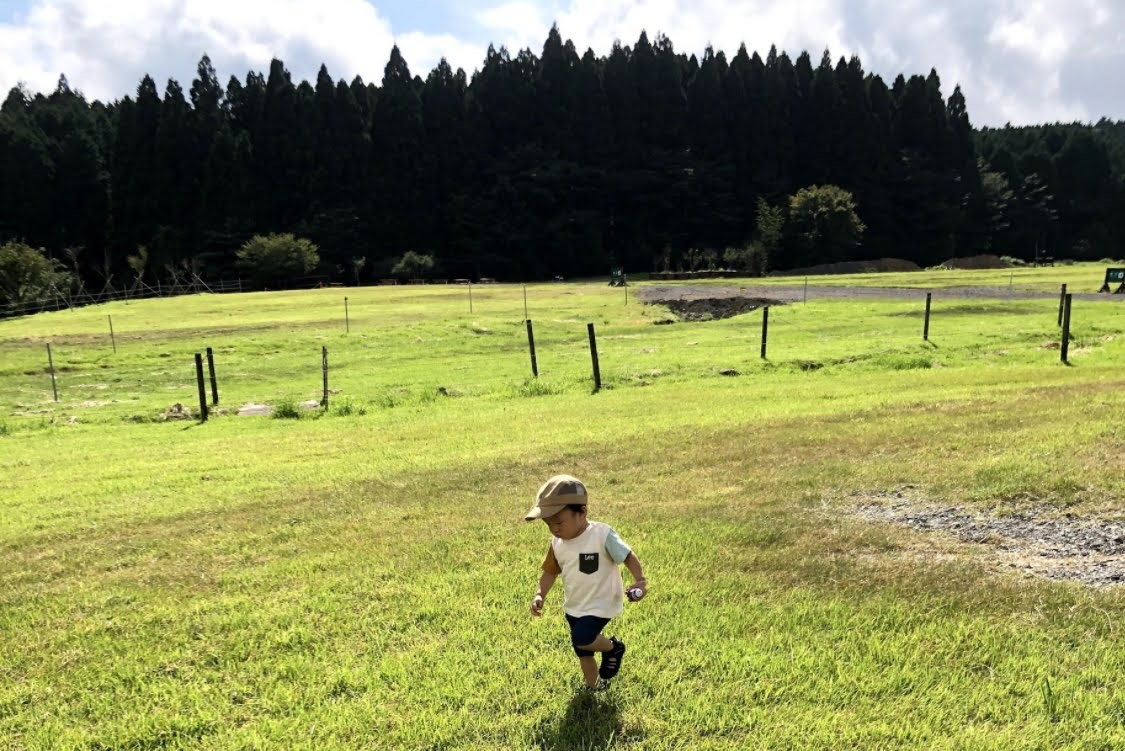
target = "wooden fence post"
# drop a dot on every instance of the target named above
(51, 364)
(324, 369)
(594, 357)
(202, 388)
(926, 328)
(765, 328)
(214, 382)
(531, 346)
(1065, 348)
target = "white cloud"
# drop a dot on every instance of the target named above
(1009, 57)
(1022, 61)
(515, 25)
(105, 48)
(422, 52)
(694, 24)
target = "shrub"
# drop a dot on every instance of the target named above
(413, 265)
(277, 258)
(28, 275)
(825, 222)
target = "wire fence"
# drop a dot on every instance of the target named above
(67, 299)
(372, 363)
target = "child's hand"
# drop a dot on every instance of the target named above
(637, 591)
(537, 606)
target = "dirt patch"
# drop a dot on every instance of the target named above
(1040, 542)
(714, 308)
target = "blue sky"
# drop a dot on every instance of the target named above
(430, 16)
(9, 9)
(1018, 61)
(433, 16)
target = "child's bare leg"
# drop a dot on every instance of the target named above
(589, 671)
(601, 644)
(590, 664)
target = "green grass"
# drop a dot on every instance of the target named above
(359, 578)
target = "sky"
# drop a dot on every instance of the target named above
(1017, 61)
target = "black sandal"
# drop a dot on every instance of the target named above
(611, 660)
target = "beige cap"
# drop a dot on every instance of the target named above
(555, 495)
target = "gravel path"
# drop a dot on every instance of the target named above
(1044, 543)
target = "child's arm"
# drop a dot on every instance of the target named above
(546, 581)
(551, 572)
(633, 563)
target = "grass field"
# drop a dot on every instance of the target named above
(359, 577)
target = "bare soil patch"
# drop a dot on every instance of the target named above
(1042, 542)
(712, 308)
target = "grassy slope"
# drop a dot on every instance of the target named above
(361, 580)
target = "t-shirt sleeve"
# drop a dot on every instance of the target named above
(550, 563)
(616, 547)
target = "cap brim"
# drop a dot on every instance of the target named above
(542, 512)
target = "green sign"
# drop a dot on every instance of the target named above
(1114, 275)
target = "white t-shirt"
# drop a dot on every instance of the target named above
(589, 567)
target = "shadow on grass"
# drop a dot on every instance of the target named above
(592, 723)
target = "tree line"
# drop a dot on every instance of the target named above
(544, 165)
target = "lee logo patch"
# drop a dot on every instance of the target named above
(588, 562)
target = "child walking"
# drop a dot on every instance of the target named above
(587, 555)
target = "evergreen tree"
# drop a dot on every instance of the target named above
(397, 152)
(556, 164)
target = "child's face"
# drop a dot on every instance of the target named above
(566, 524)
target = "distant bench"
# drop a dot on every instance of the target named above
(1114, 276)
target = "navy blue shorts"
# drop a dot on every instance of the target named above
(585, 631)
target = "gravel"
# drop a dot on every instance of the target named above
(662, 293)
(1042, 542)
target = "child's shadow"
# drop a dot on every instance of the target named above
(592, 721)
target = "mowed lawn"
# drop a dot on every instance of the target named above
(359, 577)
